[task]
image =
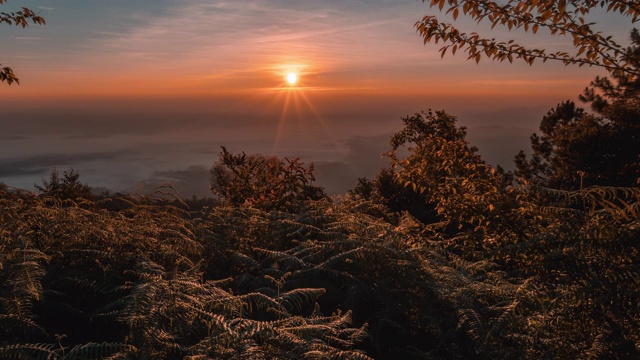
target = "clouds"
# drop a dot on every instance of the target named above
(362, 159)
(42, 164)
(118, 151)
(203, 47)
(215, 46)
(127, 91)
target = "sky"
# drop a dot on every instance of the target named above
(135, 93)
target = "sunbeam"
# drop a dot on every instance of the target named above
(281, 123)
(297, 106)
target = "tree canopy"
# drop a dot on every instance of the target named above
(18, 18)
(569, 18)
(264, 182)
(577, 148)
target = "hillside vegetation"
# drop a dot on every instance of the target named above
(440, 256)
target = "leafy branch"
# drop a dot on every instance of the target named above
(17, 18)
(559, 17)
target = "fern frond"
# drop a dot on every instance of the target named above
(112, 309)
(257, 301)
(29, 351)
(96, 351)
(247, 261)
(357, 253)
(296, 299)
(260, 330)
(289, 262)
(24, 279)
(220, 282)
(12, 324)
(93, 286)
(470, 321)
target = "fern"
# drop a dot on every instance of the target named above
(282, 260)
(96, 351)
(294, 300)
(29, 351)
(11, 325)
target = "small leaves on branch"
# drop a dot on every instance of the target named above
(565, 17)
(17, 18)
(6, 74)
(21, 17)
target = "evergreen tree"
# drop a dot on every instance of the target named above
(578, 149)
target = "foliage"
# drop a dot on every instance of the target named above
(17, 18)
(563, 155)
(583, 271)
(464, 191)
(603, 94)
(386, 190)
(568, 255)
(500, 270)
(129, 283)
(262, 182)
(440, 256)
(405, 291)
(331, 280)
(561, 18)
(67, 187)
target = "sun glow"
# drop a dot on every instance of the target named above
(292, 78)
(298, 114)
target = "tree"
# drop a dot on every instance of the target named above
(451, 175)
(264, 182)
(578, 148)
(565, 17)
(67, 186)
(17, 18)
(386, 190)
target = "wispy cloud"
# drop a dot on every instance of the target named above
(222, 41)
(213, 46)
(43, 163)
(29, 38)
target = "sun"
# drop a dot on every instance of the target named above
(292, 78)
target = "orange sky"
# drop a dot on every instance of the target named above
(361, 67)
(216, 47)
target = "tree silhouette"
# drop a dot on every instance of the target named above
(67, 186)
(578, 149)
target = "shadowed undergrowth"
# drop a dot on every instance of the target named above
(329, 281)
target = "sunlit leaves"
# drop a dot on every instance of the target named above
(147, 280)
(264, 182)
(6, 74)
(563, 155)
(450, 174)
(565, 17)
(18, 18)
